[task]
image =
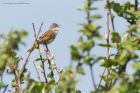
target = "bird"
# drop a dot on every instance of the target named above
(47, 37)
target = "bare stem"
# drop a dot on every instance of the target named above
(4, 91)
(111, 16)
(92, 76)
(108, 83)
(108, 36)
(101, 78)
(17, 79)
(24, 66)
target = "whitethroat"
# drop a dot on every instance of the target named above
(47, 37)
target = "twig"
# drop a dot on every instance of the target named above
(107, 85)
(44, 71)
(17, 79)
(101, 78)
(110, 13)
(24, 66)
(34, 30)
(38, 76)
(108, 36)
(92, 76)
(5, 88)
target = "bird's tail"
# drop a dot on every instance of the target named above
(35, 45)
(31, 49)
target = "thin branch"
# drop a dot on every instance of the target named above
(108, 83)
(40, 29)
(111, 16)
(92, 76)
(4, 91)
(108, 36)
(34, 30)
(44, 71)
(101, 78)
(24, 66)
(17, 79)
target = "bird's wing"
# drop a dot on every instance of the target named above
(46, 36)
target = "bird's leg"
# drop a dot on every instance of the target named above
(47, 49)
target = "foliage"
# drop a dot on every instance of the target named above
(115, 77)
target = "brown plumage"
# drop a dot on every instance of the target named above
(47, 37)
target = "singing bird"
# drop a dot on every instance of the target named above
(47, 37)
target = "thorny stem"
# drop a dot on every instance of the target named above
(107, 85)
(112, 21)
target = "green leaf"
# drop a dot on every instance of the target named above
(37, 59)
(90, 30)
(136, 13)
(106, 63)
(116, 38)
(87, 59)
(106, 45)
(80, 70)
(75, 53)
(96, 16)
(50, 75)
(86, 45)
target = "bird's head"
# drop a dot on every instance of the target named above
(54, 27)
